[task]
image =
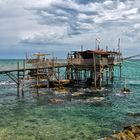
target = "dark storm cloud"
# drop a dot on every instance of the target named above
(63, 14)
(78, 17)
(87, 1)
(74, 15)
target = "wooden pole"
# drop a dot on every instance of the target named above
(107, 76)
(68, 67)
(58, 71)
(95, 72)
(100, 77)
(76, 75)
(109, 72)
(71, 73)
(85, 74)
(23, 78)
(112, 74)
(120, 71)
(18, 81)
(37, 81)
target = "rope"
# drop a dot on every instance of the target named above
(133, 56)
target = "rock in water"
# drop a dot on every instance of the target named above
(125, 90)
(129, 133)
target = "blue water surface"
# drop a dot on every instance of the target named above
(35, 118)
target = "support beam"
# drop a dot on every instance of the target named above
(12, 77)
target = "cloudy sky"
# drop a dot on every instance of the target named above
(59, 26)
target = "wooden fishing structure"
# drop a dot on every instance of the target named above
(46, 72)
(91, 68)
(85, 68)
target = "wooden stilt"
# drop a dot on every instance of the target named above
(109, 73)
(95, 72)
(76, 74)
(85, 74)
(18, 80)
(37, 86)
(112, 74)
(120, 71)
(58, 71)
(107, 76)
(23, 78)
(100, 78)
(91, 74)
(71, 73)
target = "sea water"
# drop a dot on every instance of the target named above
(35, 118)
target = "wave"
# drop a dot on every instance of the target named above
(5, 83)
(133, 82)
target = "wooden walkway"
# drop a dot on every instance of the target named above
(18, 74)
(31, 68)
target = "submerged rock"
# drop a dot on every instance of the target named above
(134, 114)
(94, 99)
(56, 101)
(128, 133)
(125, 90)
(77, 94)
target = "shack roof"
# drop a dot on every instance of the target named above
(98, 52)
(40, 54)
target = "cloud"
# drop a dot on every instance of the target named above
(137, 26)
(77, 17)
(69, 13)
(43, 38)
(72, 22)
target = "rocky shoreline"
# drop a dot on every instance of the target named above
(128, 133)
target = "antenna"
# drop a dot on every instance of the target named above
(119, 49)
(106, 48)
(81, 48)
(97, 42)
(119, 41)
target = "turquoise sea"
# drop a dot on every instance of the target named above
(35, 118)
